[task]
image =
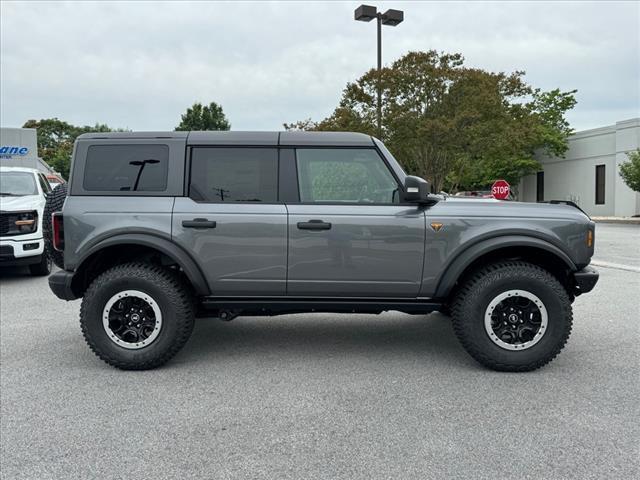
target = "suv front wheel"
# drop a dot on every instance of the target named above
(512, 316)
(137, 316)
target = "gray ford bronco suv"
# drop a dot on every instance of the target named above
(159, 228)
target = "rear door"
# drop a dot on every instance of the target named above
(348, 235)
(232, 222)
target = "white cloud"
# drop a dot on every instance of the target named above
(139, 65)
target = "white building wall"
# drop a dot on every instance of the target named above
(574, 177)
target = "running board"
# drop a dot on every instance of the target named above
(280, 306)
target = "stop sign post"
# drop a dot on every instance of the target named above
(500, 189)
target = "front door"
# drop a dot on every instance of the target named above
(349, 236)
(231, 222)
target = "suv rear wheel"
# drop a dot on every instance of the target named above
(512, 316)
(137, 316)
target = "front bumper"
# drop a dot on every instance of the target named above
(585, 280)
(60, 285)
(16, 254)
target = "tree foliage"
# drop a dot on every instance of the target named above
(207, 117)
(630, 171)
(459, 127)
(56, 138)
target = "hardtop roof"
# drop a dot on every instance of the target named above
(350, 139)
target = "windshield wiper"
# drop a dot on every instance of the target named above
(7, 194)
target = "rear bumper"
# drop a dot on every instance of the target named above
(585, 280)
(60, 285)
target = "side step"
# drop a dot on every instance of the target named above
(281, 306)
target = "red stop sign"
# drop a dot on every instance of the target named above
(500, 189)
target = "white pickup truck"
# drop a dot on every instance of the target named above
(23, 194)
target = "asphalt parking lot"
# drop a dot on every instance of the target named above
(323, 396)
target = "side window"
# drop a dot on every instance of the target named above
(126, 168)
(44, 184)
(234, 175)
(344, 176)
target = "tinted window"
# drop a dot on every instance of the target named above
(126, 168)
(234, 175)
(344, 175)
(600, 176)
(540, 187)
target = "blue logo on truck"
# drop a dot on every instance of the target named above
(8, 151)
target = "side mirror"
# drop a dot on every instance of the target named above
(417, 190)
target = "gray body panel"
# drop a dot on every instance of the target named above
(369, 251)
(245, 254)
(257, 250)
(90, 220)
(470, 223)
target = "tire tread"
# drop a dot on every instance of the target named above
(176, 292)
(473, 286)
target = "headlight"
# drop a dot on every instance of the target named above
(27, 222)
(18, 223)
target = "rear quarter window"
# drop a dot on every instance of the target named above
(126, 168)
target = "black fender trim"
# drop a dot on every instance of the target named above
(455, 269)
(170, 249)
(60, 285)
(585, 280)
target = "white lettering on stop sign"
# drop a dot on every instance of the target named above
(500, 189)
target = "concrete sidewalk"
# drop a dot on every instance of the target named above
(624, 220)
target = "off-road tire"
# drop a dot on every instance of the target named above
(55, 201)
(41, 268)
(477, 291)
(173, 297)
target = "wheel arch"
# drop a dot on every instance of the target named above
(532, 249)
(126, 247)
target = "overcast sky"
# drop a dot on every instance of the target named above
(138, 65)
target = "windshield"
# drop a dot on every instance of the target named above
(17, 184)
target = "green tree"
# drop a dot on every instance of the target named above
(458, 127)
(56, 138)
(207, 117)
(630, 171)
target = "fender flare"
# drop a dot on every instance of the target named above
(170, 249)
(457, 266)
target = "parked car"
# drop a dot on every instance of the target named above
(22, 199)
(480, 194)
(159, 228)
(54, 180)
(475, 194)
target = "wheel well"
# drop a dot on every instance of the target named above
(537, 256)
(113, 255)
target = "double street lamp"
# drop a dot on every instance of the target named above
(366, 13)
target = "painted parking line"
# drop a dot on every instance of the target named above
(618, 266)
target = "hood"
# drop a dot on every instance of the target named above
(475, 207)
(15, 204)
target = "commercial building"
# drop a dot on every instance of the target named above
(19, 148)
(589, 173)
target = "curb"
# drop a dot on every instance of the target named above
(626, 221)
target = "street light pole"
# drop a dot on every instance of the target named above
(366, 13)
(379, 105)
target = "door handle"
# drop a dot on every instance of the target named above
(199, 223)
(314, 225)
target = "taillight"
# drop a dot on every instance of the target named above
(57, 225)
